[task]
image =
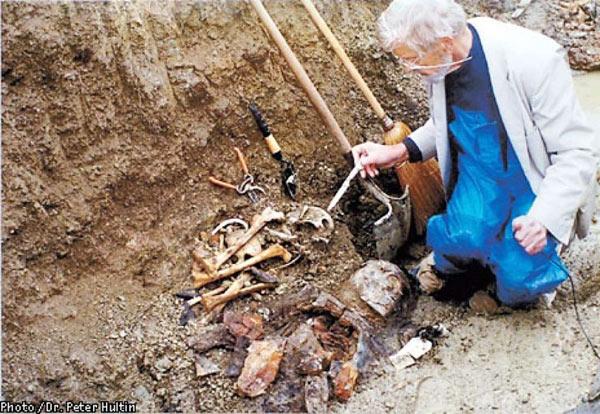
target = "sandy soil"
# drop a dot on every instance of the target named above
(113, 117)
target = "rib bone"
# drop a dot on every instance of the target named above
(211, 265)
(276, 250)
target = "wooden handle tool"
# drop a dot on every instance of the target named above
(242, 160)
(303, 79)
(223, 184)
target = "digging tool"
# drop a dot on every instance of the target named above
(392, 231)
(424, 179)
(288, 172)
(246, 187)
(344, 187)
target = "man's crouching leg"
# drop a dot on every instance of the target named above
(432, 279)
(432, 270)
(429, 281)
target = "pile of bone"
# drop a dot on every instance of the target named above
(316, 347)
(246, 245)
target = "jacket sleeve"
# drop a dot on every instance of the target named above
(424, 137)
(571, 145)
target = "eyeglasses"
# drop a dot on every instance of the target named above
(410, 64)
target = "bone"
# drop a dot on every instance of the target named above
(252, 248)
(281, 235)
(313, 215)
(214, 314)
(188, 314)
(198, 299)
(229, 222)
(276, 250)
(210, 302)
(211, 265)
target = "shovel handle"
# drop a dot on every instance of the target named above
(335, 44)
(302, 77)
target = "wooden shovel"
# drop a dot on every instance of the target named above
(423, 179)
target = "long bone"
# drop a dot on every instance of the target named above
(214, 313)
(211, 265)
(232, 289)
(235, 291)
(276, 250)
(259, 275)
(198, 299)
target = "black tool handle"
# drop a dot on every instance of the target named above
(272, 143)
(260, 121)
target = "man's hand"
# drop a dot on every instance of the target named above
(373, 156)
(530, 233)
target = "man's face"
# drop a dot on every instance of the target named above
(437, 55)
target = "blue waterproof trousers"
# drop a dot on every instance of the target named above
(477, 224)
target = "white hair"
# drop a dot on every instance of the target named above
(419, 24)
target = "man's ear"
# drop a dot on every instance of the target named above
(447, 44)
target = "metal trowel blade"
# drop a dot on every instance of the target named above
(288, 176)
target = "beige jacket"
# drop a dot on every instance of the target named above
(553, 140)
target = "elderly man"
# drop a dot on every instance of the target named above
(517, 156)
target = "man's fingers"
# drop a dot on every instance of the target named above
(536, 245)
(535, 248)
(370, 170)
(517, 224)
(520, 235)
(529, 239)
(360, 158)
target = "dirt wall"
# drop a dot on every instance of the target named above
(115, 111)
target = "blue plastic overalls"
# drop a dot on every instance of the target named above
(477, 224)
